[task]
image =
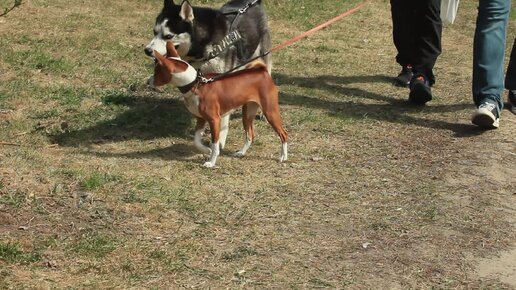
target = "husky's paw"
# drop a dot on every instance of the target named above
(283, 158)
(239, 154)
(209, 164)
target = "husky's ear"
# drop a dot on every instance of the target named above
(171, 50)
(186, 11)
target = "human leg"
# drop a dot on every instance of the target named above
(428, 38)
(427, 48)
(488, 58)
(510, 75)
(403, 38)
(510, 79)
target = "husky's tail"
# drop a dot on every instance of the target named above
(258, 63)
(265, 47)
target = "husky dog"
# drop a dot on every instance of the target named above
(213, 41)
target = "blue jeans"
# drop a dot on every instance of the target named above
(489, 51)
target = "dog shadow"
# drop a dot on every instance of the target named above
(146, 118)
(150, 117)
(175, 152)
(391, 109)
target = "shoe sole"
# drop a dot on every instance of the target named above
(420, 94)
(485, 119)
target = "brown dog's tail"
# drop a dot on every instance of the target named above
(258, 63)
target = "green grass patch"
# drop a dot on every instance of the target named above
(38, 60)
(172, 261)
(95, 245)
(180, 198)
(97, 180)
(12, 198)
(67, 96)
(11, 253)
(307, 14)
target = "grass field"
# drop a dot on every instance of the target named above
(102, 188)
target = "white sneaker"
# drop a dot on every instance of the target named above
(486, 116)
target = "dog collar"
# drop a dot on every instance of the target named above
(185, 89)
(184, 78)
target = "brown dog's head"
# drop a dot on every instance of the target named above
(165, 66)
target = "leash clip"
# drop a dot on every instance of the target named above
(243, 10)
(206, 80)
(247, 6)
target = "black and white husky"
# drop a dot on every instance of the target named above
(213, 40)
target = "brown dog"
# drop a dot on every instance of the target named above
(209, 99)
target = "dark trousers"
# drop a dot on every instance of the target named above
(510, 76)
(417, 29)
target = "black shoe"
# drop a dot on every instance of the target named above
(420, 92)
(486, 116)
(512, 101)
(403, 79)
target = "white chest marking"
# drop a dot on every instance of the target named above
(191, 101)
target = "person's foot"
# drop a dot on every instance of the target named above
(512, 101)
(487, 116)
(420, 92)
(404, 77)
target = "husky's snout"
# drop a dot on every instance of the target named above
(157, 44)
(148, 51)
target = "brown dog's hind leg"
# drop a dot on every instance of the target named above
(249, 111)
(273, 116)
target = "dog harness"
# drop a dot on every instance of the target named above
(233, 38)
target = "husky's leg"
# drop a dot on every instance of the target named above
(224, 128)
(199, 129)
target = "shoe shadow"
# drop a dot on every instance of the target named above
(392, 110)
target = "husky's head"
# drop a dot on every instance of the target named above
(174, 24)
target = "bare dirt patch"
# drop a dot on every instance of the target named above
(502, 267)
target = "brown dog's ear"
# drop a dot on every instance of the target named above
(162, 71)
(171, 50)
(159, 58)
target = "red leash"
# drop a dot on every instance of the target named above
(317, 28)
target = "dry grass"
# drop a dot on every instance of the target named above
(105, 189)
